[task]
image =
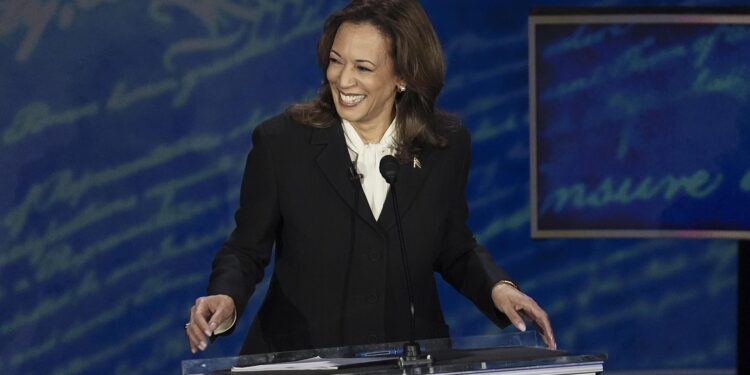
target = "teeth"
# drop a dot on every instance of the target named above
(351, 99)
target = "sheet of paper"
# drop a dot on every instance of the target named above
(314, 363)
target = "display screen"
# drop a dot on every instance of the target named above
(640, 125)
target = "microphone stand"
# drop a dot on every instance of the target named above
(412, 355)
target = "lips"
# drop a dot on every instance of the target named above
(351, 99)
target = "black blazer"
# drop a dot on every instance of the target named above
(338, 275)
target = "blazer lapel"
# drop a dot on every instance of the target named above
(410, 182)
(333, 161)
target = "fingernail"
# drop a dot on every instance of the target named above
(192, 350)
(203, 345)
(208, 333)
(522, 327)
(212, 326)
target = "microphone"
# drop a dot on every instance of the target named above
(389, 168)
(352, 171)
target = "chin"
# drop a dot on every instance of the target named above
(349, 115)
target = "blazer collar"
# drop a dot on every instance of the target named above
(334, 162)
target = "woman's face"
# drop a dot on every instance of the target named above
(360, 73)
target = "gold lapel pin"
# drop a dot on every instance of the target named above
(417, 163)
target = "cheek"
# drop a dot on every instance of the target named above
(331, 74)
(385, 85)
(383, 90)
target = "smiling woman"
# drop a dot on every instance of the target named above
(405, 56)
(312, 188)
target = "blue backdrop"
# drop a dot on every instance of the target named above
(123, 131)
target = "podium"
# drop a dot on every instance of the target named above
(518, 353)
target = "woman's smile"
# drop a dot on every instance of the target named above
(350, 100)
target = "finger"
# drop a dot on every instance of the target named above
(188, 330)
(540, 319)
(515, 318)
(193, 338)
(192, 348)
(197, 338)
(196, 334)
(543, 332)
(223, 311)
(201, 314)
(190, 340)
(194, 342)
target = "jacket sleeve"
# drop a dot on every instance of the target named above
(463, 262)
(238, 266)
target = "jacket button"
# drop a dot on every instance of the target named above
(372, 298)
(374, 255)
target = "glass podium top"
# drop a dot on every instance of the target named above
(517, 351)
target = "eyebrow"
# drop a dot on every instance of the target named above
(359, 60)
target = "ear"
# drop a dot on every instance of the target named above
(400, 85)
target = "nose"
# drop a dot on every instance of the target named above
(346, 77)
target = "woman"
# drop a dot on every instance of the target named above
(312, 188)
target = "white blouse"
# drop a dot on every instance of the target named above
(366, 157)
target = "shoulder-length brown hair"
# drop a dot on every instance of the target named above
(417, 59)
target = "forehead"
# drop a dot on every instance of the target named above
(361, 40)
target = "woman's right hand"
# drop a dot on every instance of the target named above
(206, 315)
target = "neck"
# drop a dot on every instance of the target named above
(371, 133)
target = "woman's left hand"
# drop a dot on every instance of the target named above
(517, 306)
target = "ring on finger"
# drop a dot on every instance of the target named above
(187, 325)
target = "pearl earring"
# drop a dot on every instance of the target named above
(401, 88)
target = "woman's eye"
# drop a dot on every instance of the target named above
(364, 69)
(331, 60)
